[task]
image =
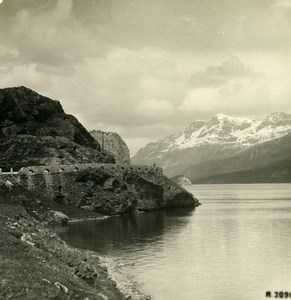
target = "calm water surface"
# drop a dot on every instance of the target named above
(236, 246)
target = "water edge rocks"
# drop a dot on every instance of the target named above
(114, 193)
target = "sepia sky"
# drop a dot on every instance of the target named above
(148, 68)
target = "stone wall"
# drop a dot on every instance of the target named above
(55, 180)
(80, 167)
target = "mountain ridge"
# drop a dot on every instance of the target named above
(257, 157)
(220, 137)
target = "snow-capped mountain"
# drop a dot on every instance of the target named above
(224, 129)
(220, 137)
(262, 163)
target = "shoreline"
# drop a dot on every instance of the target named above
(37, 264)
(97, 218)
(124, 282)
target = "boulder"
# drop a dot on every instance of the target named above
(58, 217)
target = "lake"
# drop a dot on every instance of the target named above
(236, 245)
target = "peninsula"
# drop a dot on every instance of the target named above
(57, 173)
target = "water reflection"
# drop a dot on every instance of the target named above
(235, 246)
(129, 231)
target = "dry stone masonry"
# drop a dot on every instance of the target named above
(53, 179)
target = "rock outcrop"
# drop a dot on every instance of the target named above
(110, 192)
(113, 144)
(58, 217)
(35, 130)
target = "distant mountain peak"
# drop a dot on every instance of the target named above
(222, 116)
(277, 117)
(224, 129)
(226, 118)
(218, 136)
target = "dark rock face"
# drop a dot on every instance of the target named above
(119, 193)
(21, 104)
(35, 130)
(114, 144)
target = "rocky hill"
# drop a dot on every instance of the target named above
(113, 144)
(219, 138)
(35, 130)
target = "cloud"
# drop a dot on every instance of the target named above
(154, 107)
(200, 99)
(64, 8)
(48, 35)
(233, 88)
(7, 53)
(282, 4)
(135, 66)
(221, 74)
(123, 88)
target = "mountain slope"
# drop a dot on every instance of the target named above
(265, 155)
(279, 172)
(218, 138)
(35, 130)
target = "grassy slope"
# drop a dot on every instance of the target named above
(30, 272)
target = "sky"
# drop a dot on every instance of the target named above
(148, 68)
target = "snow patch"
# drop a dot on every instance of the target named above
(223, 129)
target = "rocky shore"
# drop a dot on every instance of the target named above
(36, 264)
(114, 193)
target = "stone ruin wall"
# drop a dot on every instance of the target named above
(96, 166)
(58, 179)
